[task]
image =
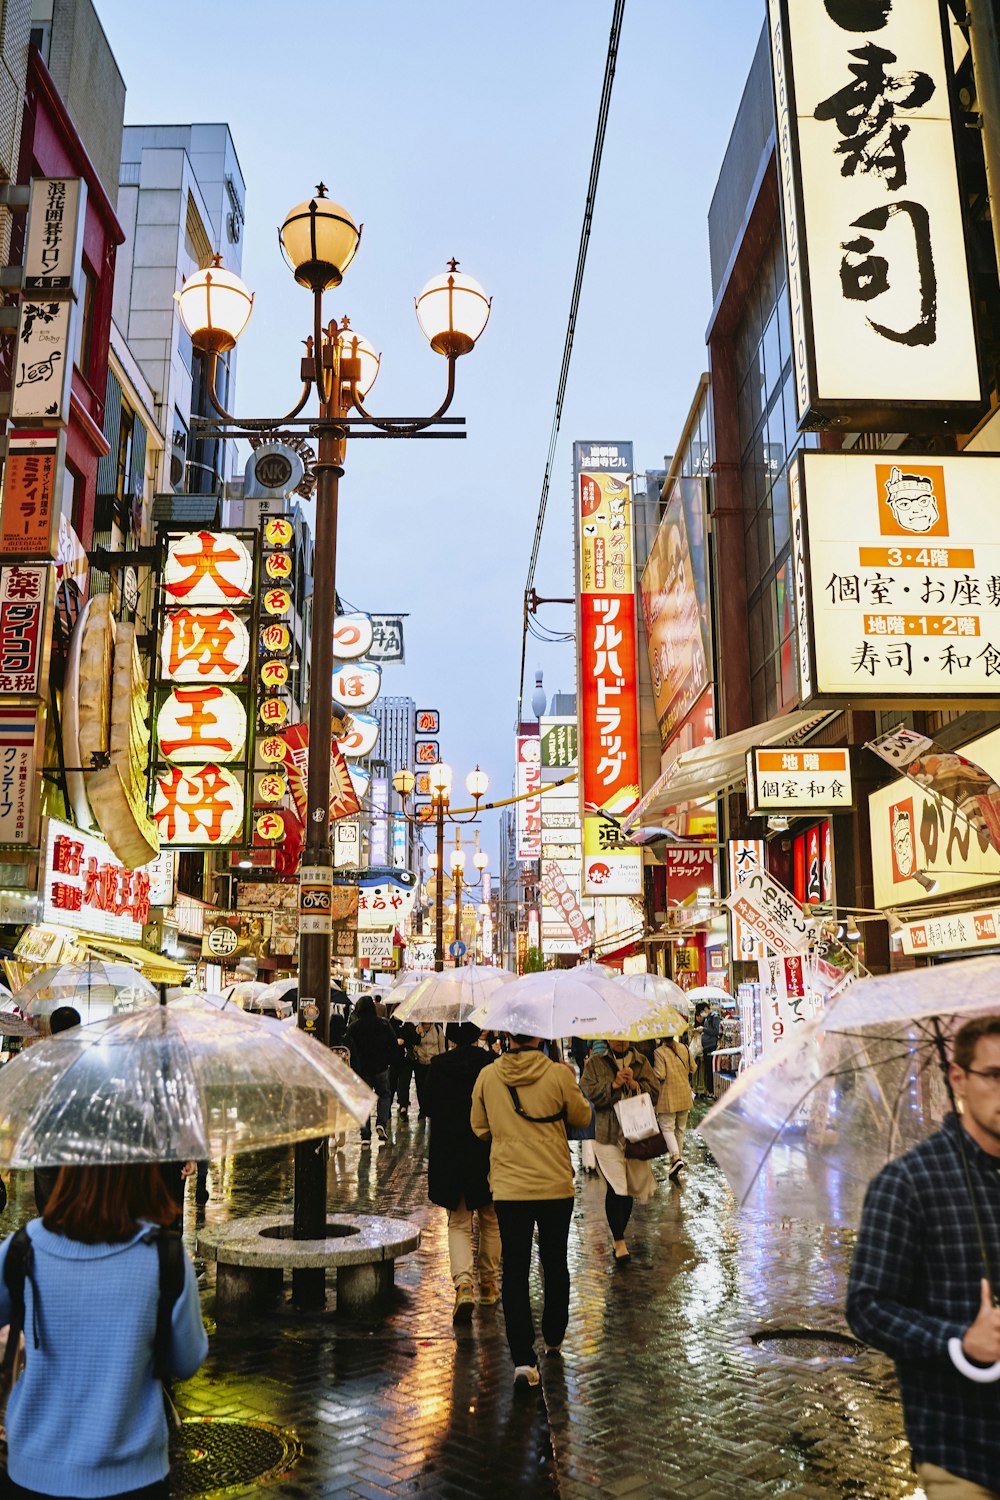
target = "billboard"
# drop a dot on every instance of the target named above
(674, 593)
(528, 789)
(606, 643)
(897, 576)
(878, 276)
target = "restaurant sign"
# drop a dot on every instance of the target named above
(971, 931)
(772, 912)
(798, 780)
(85, 887)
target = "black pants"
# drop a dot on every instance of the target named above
(709, 1073)
(402, 1076)
(420, 1072)
(619, 1211)
(158, 1491)
(517, 1218)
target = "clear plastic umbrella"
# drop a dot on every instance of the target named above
(801, 1134)
(712, 992)
(97, 988)
(245, 993)
(454, 994)
(172, 1083)
(271, 1000)
(11, 1024)
(407, 983)
(562, 1002)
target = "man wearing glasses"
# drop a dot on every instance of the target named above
(917, 1288)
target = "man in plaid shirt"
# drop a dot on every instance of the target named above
(917, 1279)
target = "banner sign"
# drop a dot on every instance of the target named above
(387, 640)
(609, 705)
(672, 609)
(897, 576)
(967, 930)
(783, 1001)
(946, 774)
(745, 856)
(798, 780)
(378, 838)
(688, 871)
(528, 788)
(374, 949)
(764, 905)
(54, 242)
(557, 893)
(24, 627)
(879, 288)
(560, 744)
(85, 887)
(22, 737)
(30, 502)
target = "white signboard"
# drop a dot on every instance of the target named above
(901, 561)
(43, 364)
(85, 887)
(798, 780)
(745, 856)
(773, 913)
(878, 276)
(356, 684)
(783, 1002)
(967, 930)
(55, 234)
(374, 948)
(529, 807)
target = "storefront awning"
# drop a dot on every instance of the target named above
(713, 768)
(157, 968)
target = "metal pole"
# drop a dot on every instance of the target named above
(309, 1218)
(986, 66)
(458, 906)
(439, 890)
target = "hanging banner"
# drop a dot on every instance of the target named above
(387, 639)
(556, 891)
(609, 707)
(528, 788)
(946, 774)
(745, 856)
(783, 1000)
(25, 626)
(883, 331)
(22, 738)
(764, 905)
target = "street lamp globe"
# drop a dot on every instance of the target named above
(440, 778)
(480, 859)
(432, 860)
(452, 311)
(351, 345)
(214, 306)
(320, 239)
(404, 781)
(477, 783)
(457, 860)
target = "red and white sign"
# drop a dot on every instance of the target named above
(295, 742)
(198, 805)
(559, 895)
(204, 645)
(362, 737)
(783, 1000)
(967, 930)
(529, 807)
(688, 872)
(356, 685)
(85, 887)
(23, 626)
(197, 724)
(745, 856)
(208, 567)
(610, 717)
(29, 509)
(352, 636)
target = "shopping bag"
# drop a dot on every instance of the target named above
(637, 1117)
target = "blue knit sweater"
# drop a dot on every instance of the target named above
(86, 1418)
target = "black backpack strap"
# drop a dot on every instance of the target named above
(535, 1119)
(170, 1254)
(17, 1269)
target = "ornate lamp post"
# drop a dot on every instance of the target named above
(319, 239)
(440, 777)
(480, 859)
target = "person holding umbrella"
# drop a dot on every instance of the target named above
(97, 1325)
(608, 1078)
(458, 1168)
(923, 1285)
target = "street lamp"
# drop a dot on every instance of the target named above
(440, 778)
(319, 240)
(479, 858)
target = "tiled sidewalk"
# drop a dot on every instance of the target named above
(660, 1392)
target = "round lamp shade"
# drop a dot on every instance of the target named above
(440, 778)
(353, 346)
(214, 307)
(452, 310)
(320, 240)
(477, 783)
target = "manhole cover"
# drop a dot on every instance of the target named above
(812, 1344)
(215, 1456)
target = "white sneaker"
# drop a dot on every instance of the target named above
(525, 1376)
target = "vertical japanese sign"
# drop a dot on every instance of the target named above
(21, 740)
(671, 594)
(24, 629)
(528, 787)
(745, 856)
(879, 289)
(900, 565)
(30, 501)
(609, 708)
(378, 840)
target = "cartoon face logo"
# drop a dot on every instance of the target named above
(912, 501)
(904, 855)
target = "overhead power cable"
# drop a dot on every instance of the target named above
(574, 307)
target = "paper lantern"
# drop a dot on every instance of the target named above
(208, 567)
(198, 723)
(204, 645)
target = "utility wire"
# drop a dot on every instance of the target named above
(574, 306)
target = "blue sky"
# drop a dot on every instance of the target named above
(466, 129)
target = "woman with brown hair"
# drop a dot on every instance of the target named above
(86, 1420)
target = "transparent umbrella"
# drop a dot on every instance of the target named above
(562, 1002)
(407, 983)
(172, 1083)
(245, 992)
(454, 994)
(710, 992)
(11, 1024)
(97, 988)
(272, 998)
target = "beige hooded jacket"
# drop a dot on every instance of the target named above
(528, 1159)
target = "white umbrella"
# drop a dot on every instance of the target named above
(562, 1002)
(656, 990)
(272, 998)
(172, 1083)
(454, 994)
(97, 988)
(708, 992)
(244, 993)
(407, 983)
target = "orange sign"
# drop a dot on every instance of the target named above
(29, 511)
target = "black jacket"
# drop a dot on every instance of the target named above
(458, 1163)
(373, 1046)
(710, 1031)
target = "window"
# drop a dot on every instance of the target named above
(85, 345)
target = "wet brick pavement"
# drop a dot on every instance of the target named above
(660, 1392)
